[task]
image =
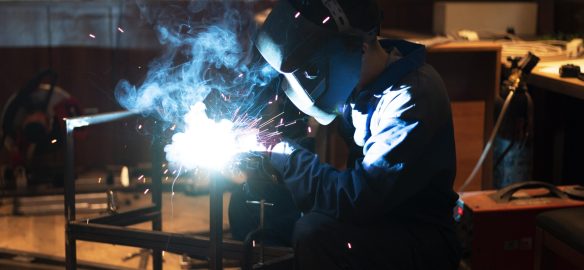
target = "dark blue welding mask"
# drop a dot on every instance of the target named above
(321, 63)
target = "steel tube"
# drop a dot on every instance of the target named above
(128, 217)
(82, 121)
(216, 223)
(71, 124)
(156, 173)
(172, 242)
(70, 242)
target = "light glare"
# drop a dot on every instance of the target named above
(209, 144)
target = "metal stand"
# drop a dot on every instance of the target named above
(151, 213)
(216, 223)
(110, 228)
(282, 263)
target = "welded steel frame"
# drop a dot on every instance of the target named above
(111, 228)
(151, 213)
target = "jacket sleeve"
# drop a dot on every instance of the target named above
(388, 174)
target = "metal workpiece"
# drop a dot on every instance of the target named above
(258, 234)
(216, 222)
(127, 217)
(192, 245)
(112, 202)
(146, 214)
(111, 227)
(82, 121)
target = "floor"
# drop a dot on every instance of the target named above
(45, 233)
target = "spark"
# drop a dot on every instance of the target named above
(120, 29)
(349, 245)
(326, 19)
(99, 180)
(270, 120)
(139, 126)
(173, 127)
(272, 134)
(253, 243)
(146, 191)
(309, 130)
(165, 171)
(54, 141)
(141, 177)
(291, 123)
(276, 98)
(211, 144)
(91, 35)
(297, 15)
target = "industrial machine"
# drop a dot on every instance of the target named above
(33, 133)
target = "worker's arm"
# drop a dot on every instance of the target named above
(400, 128)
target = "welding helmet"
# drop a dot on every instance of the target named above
(317, 46)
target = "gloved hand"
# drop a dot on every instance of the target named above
(257, 173)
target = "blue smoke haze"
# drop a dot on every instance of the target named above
(214, 53)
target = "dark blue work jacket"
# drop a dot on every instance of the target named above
(400, 131)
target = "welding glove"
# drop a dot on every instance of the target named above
(260, 175)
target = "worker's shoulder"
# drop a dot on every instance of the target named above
(424, 81)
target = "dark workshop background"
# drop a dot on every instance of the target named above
(35, 35)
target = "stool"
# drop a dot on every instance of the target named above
(560, 234)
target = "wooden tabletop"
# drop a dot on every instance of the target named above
(546, 75)
(475, 46)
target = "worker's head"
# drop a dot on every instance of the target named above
(317, 45)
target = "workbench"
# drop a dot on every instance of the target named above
(558, 119)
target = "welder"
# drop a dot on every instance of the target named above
(392, 208)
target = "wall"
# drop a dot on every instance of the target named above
(36, 35)
(92, 45)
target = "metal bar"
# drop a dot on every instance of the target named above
(71, 124)
(128, 217)
(157, 154)
(216, 223)
(171, 242)
(84, 189)
(262, 215)
(70, 243)
(45, 261)
(82, 121)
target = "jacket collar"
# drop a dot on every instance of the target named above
(413, 57)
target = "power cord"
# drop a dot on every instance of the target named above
(516, 81)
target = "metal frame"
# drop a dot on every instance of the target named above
(110, 228)
(151, 213)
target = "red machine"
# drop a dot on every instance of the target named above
(498, 227)
(32, 133)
